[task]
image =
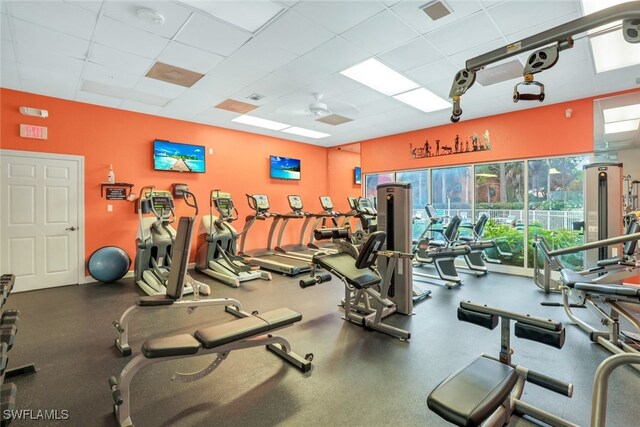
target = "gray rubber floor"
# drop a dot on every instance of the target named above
(360, 377)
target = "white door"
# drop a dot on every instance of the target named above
(39, 219)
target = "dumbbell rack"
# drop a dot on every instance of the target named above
(8, 331)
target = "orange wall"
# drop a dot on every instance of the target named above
(537, 132)
(340, 179)
(239, 163)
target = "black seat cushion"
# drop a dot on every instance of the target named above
(343, 265)
(609, 262)
(238, 329)
(570, 277)
(280, 317)
(154, 300)
(469, 396)
(609, 289)
(176, 345)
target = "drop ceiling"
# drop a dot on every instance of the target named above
(55, 47)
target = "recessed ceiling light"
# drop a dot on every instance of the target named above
(625, 126)
(378, 76)
(250, 16)
(150, 16)
(306, 132)
(619, 114)
(262, 123)
(424, 100)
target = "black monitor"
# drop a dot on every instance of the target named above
(180, 258)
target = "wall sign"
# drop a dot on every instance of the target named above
(116, 193)
(31, 131)
(457, 146)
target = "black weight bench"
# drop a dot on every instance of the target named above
(487, 391)
(220, 339)
(612, 291)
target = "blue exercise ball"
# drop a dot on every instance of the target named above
(108, 264)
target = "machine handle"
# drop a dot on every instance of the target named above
(552, 384)
(190, 200)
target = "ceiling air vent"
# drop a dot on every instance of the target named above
(170, 74)
(236, 106)
(334, 119)
(255, 97)
(436, 9)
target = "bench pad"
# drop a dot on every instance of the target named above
(176, 345)
(471, 395)
(343, 265)
(154, 300)
(280, 317)
(609, 289)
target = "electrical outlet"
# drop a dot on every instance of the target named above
(210, 150)
(109, 208)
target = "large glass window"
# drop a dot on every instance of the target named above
(556, 204)
(419, 181)
(371, 181)
(500, 196)
(451, 191)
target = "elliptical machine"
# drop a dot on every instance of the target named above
(217, 238)
(155, 238)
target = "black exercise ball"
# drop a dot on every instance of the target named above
(108, 264)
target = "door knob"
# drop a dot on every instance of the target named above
(70, 229)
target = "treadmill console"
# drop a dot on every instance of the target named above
(161, 201)
(365, 207)
(325, 202)
(295, 202)
(224, 205)
(262, 202)
(353, 203)
(432, 213)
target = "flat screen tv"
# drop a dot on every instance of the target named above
(171, 156)
(357, 175)
(285, 168)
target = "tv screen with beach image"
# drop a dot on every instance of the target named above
(170, 156)
(285, 168)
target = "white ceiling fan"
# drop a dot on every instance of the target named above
(320, 110)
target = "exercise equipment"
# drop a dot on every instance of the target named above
(299, 250)
(266, 257)
(174, 291)
(395, 219)
(221, 340)
(488, 391)
(108, 264)
(367, 215)
(216, 256)
(366, 300)
(328, 213)
(440, 253)
(602, 208)
(551, 41)
(475, 259)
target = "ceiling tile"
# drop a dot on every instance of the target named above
(432, 72)
(90, 5)
(211, 35)
(227, 78)
(189, 58)
(109, 76)
(334, 85)
(271, 87)
(190, 104)
(260, 54)
(360, 96)
(119, 60)
(338, 16)
(289, 3)
(250, 15)
(44, 82)
(121, 36)
(456, 38)
(9, 77)
(295, 33)
(29, 35)
(6, 52)
(5, 31)
(410, 12)
(139, 107)
(160, 88)
(50, 61)
(92, 98)
(303, 71)
(380, 33)
(410, 55)
(461, 58)
(390, 2)
(216, 117)
(338, 53)
(378, 106)
(4, 7)
(175, 15)
(56, 15)
(536, 12)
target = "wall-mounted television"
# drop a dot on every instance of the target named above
(284, 168)
(171, 156)
(357, 175)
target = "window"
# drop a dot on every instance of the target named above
(372, 180)
(451, 191)
(419, 181)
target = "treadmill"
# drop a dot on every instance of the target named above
(321, 222)
(267, 258)
(299, 250)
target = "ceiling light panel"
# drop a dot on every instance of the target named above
(423, 100)
(306, 132)
(619, 114)
(262, 123)
(625, 126)
(379, 77)
(248, 15)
